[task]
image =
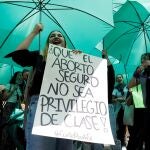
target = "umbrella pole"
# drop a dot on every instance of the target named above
(145, 39)
(40, 21)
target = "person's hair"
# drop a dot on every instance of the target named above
(13, 79)
(47, 43)
(145, 56)
(24, 71)
(119, 75)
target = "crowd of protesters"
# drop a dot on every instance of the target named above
(13, 97)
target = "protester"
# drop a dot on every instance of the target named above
(111, 82)
(37, 60)
(119, 96)
(13, 98)
(140, 131)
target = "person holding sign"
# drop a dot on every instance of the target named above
(111, 83)
(140, 131)
(38, 60)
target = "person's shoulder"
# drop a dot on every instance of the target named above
(35, 52)
(21, 53)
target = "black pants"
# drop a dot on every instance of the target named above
(140, 131)
(121, 127)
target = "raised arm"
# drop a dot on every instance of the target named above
(26, 43)
(135, 79)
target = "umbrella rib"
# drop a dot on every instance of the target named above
(68, 8)
(148, 36)
(21, 21)
(50, 15)
(147, 28)
(132, 46)
(55, 21)
(40, 18)
(72, 8)
(113, 42)
(35, 3)
(48, 3)
(136, 11)
(16, 3)
(145, 39)
(20, 5)
(130, 23)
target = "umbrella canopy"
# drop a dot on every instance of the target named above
(117, 4)
(131, 36)
(83, 22)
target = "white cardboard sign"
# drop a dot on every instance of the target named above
(73, 98)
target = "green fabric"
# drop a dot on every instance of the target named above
(138, 96)
(83, 22)
(130, 37)
(117, 4)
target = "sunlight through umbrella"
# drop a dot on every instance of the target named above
(84, 22)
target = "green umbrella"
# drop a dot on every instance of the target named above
(83, 22)
(131, 36)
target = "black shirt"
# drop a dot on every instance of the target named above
(111, 82)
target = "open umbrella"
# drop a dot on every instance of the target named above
(84, 22)
(131, 36)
